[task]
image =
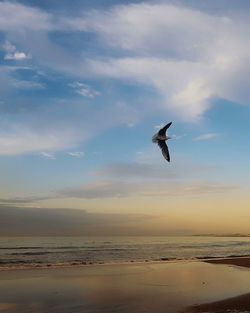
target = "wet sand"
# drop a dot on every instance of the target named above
(235, 304)
(169, 287)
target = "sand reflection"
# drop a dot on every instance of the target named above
(157, 288)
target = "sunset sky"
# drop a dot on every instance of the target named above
(86, 84)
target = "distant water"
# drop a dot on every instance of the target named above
(61, 251)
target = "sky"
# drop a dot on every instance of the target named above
(84, 87)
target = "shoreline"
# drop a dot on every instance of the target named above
(239, 261)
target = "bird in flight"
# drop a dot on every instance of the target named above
(160, 138)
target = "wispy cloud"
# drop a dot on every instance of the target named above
(84, 90)
(117, 189)
(136, 170)
(131, 125)
(13, 54)
(205, 137)
(42, 130)
(152, 170)
(175, 51)
(16, 17)
(188, 70)
(24, 200)
(76, 154)
(26, 84)
(19, 139)
(137, 179)
(48, 156)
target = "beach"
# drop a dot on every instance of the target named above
(179, 286)
(235, 304)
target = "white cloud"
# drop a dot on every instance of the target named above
(186, 96)
(84, 90)
(205, 137)
(23, 140)
(131, 125)
(187, 57)
(190, 57)
(48, 156)
(41, 128)
(17, 56)
(13, 54)
(16, 17)
(76, 154)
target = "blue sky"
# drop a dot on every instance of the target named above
(85, 85)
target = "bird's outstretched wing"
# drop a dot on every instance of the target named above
(164, 149)
(162, 131)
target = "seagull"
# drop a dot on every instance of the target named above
(160, 138)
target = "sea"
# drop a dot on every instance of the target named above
(30, 252)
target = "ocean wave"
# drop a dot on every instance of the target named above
(31, 253)
(26, 264)
(27, 252)
(17, 248)
(215, 245)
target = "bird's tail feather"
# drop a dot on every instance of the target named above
(154, 138)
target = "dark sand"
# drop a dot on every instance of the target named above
(239, 261)
(168, 287)
(236, 304)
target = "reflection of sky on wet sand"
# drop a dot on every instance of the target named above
(6, 306)
(120, 288)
